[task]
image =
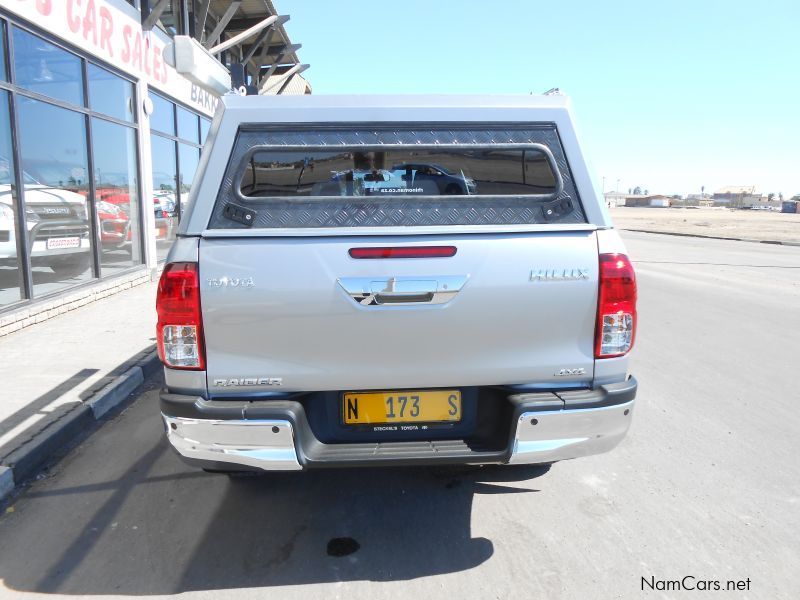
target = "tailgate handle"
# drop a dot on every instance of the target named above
(402, 297)
(399, 291)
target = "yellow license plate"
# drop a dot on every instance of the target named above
(410, 406)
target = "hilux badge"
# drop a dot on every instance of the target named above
(559, 274)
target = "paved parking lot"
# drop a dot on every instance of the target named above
(707, 484)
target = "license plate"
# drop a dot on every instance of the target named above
(63, 242)
(410, 406)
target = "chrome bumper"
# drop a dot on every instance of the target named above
(267, 445)
(550, 436)
(541, 436)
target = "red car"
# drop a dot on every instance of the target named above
(113, 213)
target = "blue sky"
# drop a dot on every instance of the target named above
(669, 96)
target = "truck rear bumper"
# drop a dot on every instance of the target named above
(274, 435)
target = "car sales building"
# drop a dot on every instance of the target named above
(100, 137)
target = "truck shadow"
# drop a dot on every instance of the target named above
(375, 525)
(155, 526)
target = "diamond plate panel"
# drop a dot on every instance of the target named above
(273, 213)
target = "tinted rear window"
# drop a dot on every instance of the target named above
(398, 173)
(305, 177)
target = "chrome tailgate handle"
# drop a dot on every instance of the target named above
(399, 291)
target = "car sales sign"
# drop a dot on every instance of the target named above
(112, 31)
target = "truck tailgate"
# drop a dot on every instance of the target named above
(276, 312)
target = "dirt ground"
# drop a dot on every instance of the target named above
(744, 224)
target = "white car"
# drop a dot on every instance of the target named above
(57, 225)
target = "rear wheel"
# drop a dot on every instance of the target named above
(72, 266)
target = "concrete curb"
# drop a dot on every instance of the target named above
(713, 237)
(24, 461)
(115, 392)
(6, 481)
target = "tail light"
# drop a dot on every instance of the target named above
(404, 252)
(616, 307)
(180, 324)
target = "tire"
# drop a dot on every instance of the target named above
(453, 190)
(71, 268)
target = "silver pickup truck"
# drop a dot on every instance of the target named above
(394, 280)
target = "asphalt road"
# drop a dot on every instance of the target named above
(707, 484)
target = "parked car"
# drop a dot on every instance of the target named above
(115, 222)
(166, 201)
(57, 224)
(446, 181)
(304, 324)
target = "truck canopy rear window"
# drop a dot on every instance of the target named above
(390, 176)
(398, 173)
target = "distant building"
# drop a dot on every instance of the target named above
(656, 201)
(737, 196)
(614, 199)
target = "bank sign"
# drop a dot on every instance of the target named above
(111, 30)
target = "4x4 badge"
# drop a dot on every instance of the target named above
(247, 381)
(242, 282)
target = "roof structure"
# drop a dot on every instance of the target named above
(737, 189)
(246, 32)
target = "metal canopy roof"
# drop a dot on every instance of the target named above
(248, 14)
(250, 32)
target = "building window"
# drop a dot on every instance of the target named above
(56, 186)
(116, 196)
(165, 196)
(175, 144)
(163, 117)
(109, 94)
(3, 70)
(205, 125)
(10, 268)
(188, 125)
(188, 157)
(45, 68)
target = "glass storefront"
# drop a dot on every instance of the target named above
(176, 137)
(116, 196)
(44, 68)
(109, 94)
(10, 270)
(165, 196)
(55, 173)
(74, 150)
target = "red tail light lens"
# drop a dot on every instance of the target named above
(616, 307)
(180, 323)
(404, 252)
